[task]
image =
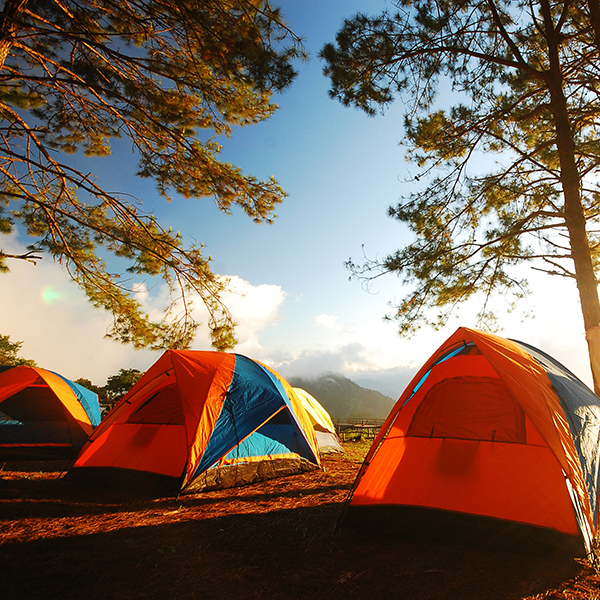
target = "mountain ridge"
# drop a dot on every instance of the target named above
(343, 398)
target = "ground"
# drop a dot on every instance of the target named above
(270, 540)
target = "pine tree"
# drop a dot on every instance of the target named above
(168, 75)
(9, 353)
(524, 78)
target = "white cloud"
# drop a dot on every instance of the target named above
(316, 361)
(59, 328)
(63, 332)
(550, 320)
(329, 322)
(255, 305)
(354, 361)
(141, 292)
(253, 308)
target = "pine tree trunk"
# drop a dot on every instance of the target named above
(575, 220)
(585, 276)
(594, 9)
(9, 24)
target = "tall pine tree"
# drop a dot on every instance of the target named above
(167, 74)
(525, 79)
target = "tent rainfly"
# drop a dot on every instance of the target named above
(327, 438)
(489, 430)
(42, 414)
(200, 420)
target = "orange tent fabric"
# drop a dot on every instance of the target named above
(41, 411)
(193, 411)
(488, 427)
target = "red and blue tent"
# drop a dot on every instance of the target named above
(493, 430)
(43, 414)
(199, 419)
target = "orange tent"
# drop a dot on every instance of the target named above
(42, 414)
(198, 420)
(493, 428)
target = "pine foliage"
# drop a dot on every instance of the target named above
(166, 75)
(501, 127)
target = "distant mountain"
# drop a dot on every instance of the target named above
(387, 389)
(344, 399)
(390, 382)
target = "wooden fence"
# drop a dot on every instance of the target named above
(357, 429)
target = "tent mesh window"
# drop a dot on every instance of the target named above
(162, 408)
(34, 404)
(34, 416)
(4, 418)
(469, 408)
(282, 417)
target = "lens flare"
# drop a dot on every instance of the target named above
(50, 295)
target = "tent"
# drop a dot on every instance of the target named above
(200, 420)
(493, 432)
(327, 438)
(42, 414)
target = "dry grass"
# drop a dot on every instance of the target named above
(270, 540)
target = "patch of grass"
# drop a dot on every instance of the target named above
(356, 450)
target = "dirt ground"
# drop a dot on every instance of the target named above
(270, 540)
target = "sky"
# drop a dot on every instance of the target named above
(295, 305)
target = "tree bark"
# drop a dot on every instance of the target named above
(594, 9)
(574, 214)
(9, 24)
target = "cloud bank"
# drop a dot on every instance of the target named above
(63, 332)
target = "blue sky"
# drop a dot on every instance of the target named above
(299, 312)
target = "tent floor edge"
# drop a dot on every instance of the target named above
(442, 526)
(140, 483)
(247, 473)
(49, 453)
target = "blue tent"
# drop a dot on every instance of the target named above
(198, 420)
(43, 414)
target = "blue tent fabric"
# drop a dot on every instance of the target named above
(87, 399)
(582, 409)
(253, 396)
(257, 445)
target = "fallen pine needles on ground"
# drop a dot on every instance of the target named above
(270, 540)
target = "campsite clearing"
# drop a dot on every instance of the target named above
(269, 540)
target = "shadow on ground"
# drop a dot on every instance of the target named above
(270, 540)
